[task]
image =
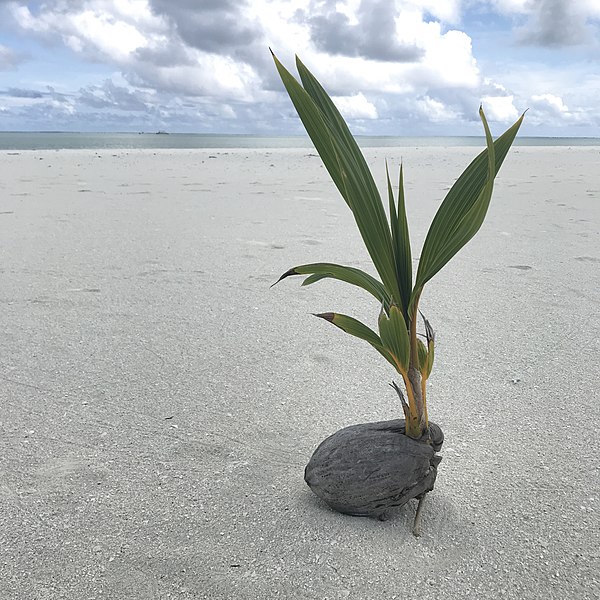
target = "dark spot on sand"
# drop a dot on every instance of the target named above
(520, 267)
(587, 259)
(320, 358)
(153, 272)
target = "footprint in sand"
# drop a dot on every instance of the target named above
(59, 472)
(320, 358)
(592, 259)
(520, 267)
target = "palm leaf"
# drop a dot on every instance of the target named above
(463, 210)
(314, 278)
(347, 167)
(394, 336)
(400, 240)
(422, 350)
(350, 275)
(357, 329)
(430, 357)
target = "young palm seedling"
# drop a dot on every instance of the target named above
(369, 468)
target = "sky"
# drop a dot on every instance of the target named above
(393, 67)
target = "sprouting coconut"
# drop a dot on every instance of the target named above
(370, 468)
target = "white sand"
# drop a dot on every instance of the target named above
(158, 402)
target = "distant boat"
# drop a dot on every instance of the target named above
(161, 132)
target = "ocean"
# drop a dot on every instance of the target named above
(115, 141)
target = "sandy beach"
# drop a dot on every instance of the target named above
(159, 401)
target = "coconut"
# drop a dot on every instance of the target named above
(370, 468)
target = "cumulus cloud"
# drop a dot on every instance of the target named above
(435, 110)
(95, 28)
(549, 108)
(217, 49)
(557, 23)
(551, 103)
(184, 64)
(143, 43)
(355, 107)
(370, 32)
(500, 108)
(212, 25)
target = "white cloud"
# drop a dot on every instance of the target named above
(446, 60)
(551, 109)
(132, 36)
(500, 108)
(116, 39)
(551, 103)
(206, 64)
(556, 23)
(434, 110)
(125, 34)
(355, 107)
(99, 28)
(450, 60)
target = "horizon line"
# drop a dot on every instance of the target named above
(280, 135)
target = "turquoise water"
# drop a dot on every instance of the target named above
(104, 141)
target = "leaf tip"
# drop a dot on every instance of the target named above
(286, 274)
(328, 316)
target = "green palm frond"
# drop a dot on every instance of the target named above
(394, 335)
(462, 212)
(457, 220)
(400, 240)
(350, 275)
(357, 329)
(347, 167)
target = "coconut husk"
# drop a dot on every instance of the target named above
(368, 469)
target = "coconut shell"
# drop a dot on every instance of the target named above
(367, 469)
